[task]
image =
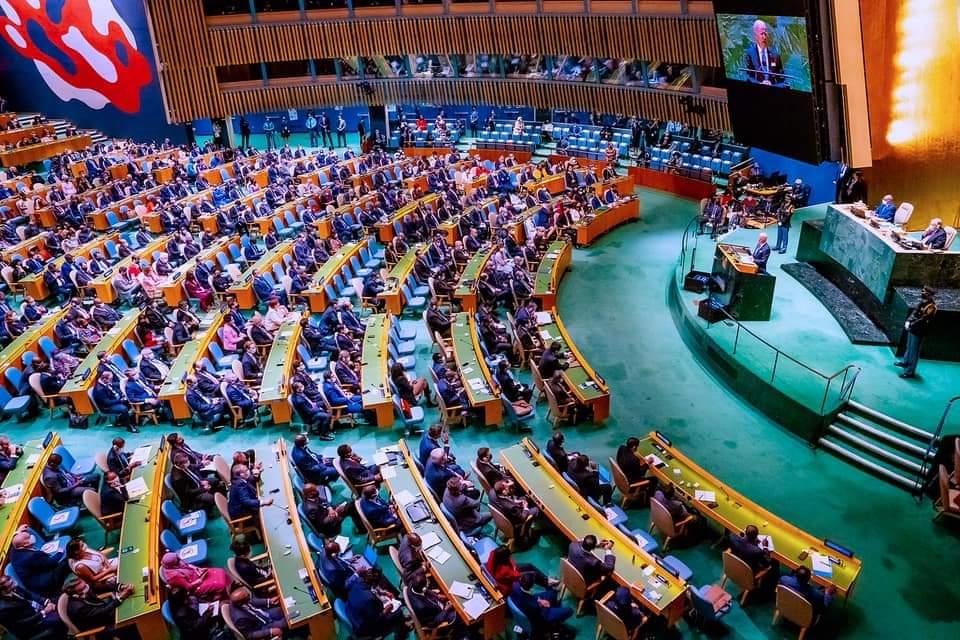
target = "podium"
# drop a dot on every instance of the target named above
(738, 284)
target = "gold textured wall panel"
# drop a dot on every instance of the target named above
(190, 50)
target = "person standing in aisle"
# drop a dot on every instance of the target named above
(341, 131)
(917, 325)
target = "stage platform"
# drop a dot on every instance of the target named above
(804, 329)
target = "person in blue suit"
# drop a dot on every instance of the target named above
(265, 290)
(40, 572)
(433, 438)
(762, 62)
(139, 392)
(335, 570)
(887, 209)
(799, 581)
(378, 513)
(366, 611)
(542, 608)
(209, 409)
(337, 397)
(240, 396)
(110, 400)
(252, 370)
(761, 253)
(243, 499)
(313, 467)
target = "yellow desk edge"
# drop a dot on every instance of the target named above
(21, 505)
(571, 345)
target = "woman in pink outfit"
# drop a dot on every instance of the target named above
(206, 584)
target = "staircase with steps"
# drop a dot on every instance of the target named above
(879, 444)
(60, 126)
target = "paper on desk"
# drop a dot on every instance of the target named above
(544, 317)
(766, 542)
(387, 472)
(438, 554)
(477, 384)
(461, 589)
(289, 601)
(821, 565)
(11, 493)
(648, 570)
(32, 459)
(380, 457)
(476, 605)
(429, 539)
(49, 547)
(545, 335)
(654, 460)
(136, 488)
(141, 454)
(707, 497)
(214, 606)
(344, 543)
(404, 497)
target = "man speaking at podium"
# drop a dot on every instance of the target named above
(763, 63)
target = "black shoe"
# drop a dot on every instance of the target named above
(132, 428)
(907, 374)
(414, 432)
(900, 363)
(325, 436)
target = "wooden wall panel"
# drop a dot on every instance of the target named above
(190, 50)
(546, 95)
(685, 40)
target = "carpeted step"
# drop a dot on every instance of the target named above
(854, 322)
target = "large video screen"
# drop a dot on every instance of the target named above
(766, 50)
(771, 72)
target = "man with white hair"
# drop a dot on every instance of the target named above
(935, 236)
(761, 253)
(763, 63)
(886, 210)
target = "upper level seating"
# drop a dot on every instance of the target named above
(502, 137)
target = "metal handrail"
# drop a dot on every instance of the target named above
(846, 385)
(919, 482)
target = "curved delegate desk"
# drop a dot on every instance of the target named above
(482, 390)
(302, 599)
(603, 219)
(103, 284)
(278, 369)
(34, 284)
(486, 605)
(78, 385)
(173, 291)
(377, 395)
(243, 290)
(466, 291)
(830, 564)
(174, 388)
(392, 293)
(21, 484)
(317, 293)
(585, 383)
(139, 545)
(552, 268)
(650, 582)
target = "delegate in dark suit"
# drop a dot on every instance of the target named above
(761, 254)
(313, 467)
(580, 555)
(41, 573)
(256, 619)
(22, 615)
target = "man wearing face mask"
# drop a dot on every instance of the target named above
(39, 572)
(113, 494)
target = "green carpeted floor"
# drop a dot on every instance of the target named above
(614, 303)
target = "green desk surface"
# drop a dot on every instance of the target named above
(18, 475)
(283, 541)
(266, 260)
(110, 341)
(576, 375)
(273, 387)
(135, 546)
(404, 266)
(735, 512)
(545, 272)
(557, 499)
(455, 568)
(373, 360)
(469, 360)
(13, 351)
(332, 266)
(190, 353)
(471, 272)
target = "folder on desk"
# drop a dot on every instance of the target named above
(136, 488)
(404, 497)
(141, 454)
(706, 497)
(544, 317)
(821, 565)
(429, 539)
(476, 605)
(380, 457)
